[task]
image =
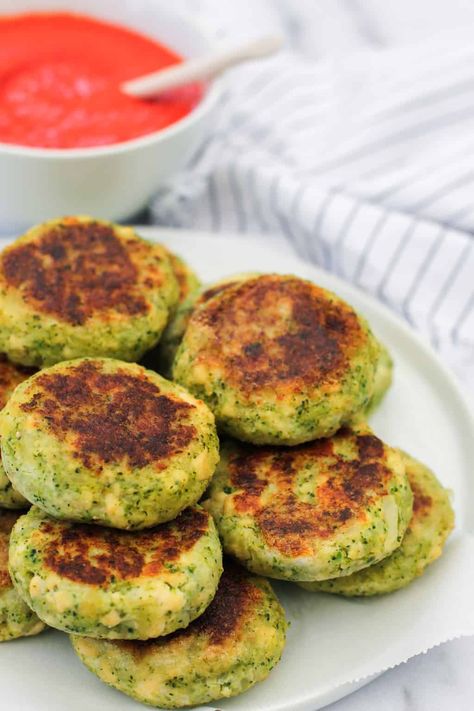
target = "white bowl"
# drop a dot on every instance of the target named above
(116, 181)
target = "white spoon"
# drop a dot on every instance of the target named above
(200, 69)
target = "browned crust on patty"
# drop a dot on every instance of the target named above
(214, 290)
(76, 270)
(111, 416)
(346, 487)
(222, 622)
(7, 521)
(422, 503)
(273, 330)
(98, 556)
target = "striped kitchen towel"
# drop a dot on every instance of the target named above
(359, 152)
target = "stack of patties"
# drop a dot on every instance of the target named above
(114, 458)
(305, 491)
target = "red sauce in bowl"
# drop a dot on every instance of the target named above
(60, 76)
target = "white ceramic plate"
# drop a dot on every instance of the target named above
(424, 413)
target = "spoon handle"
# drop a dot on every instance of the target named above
(200, 69)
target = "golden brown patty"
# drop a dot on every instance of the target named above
(102, 582)
(423, 542)
(106, 441)
(305, 349)
(234, 644)
(79, 286)
(278, 359)
(313, 511)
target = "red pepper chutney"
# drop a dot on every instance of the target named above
(60, 75)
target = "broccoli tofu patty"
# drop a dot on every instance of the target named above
(16, 618)
(100, 440)
(101, 582)
(77, 287)
(278, 359)
(320, 510)
(431, 523)
(231, 647)
(10, 376)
